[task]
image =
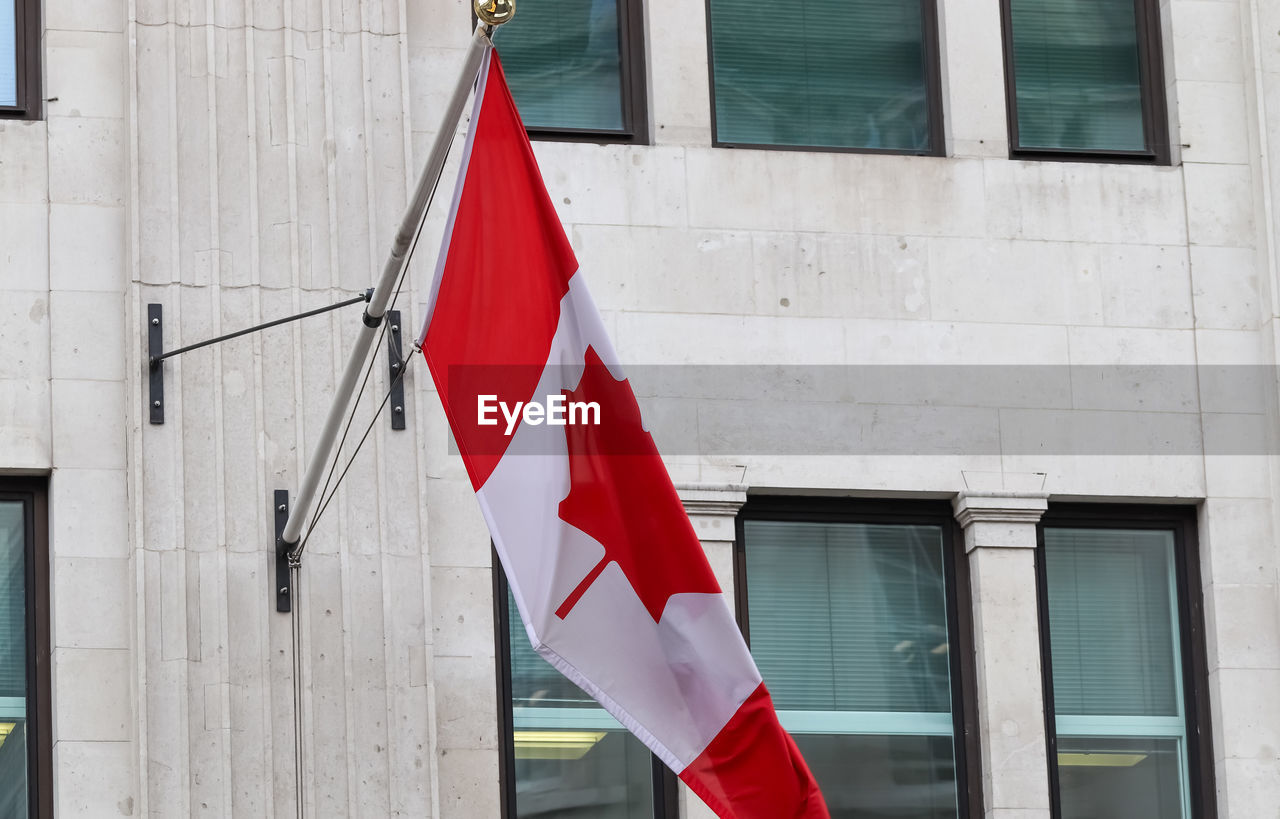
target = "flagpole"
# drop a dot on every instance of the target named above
(396, 261)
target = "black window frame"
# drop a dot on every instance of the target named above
(933, 90)
(665, 788)
(1181, 521)
(1155, 109)
(634, 90)
(964, 704)
(26, 34)
(33, 495)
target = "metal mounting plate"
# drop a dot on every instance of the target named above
(155, 348)
(284, 581)
(394, 356)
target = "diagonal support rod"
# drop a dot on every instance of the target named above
(156, 359)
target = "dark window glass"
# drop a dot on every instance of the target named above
(8, 53)
(791, 73)
(20, 59)
(568, 758)
(1082, 76)
(572, 759)
(849, 625)
(1115, 642)
(569, 65)
(1101, 778)
(14, 714)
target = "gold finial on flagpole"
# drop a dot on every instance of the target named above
(495, 12)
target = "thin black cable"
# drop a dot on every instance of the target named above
(417, 234)
(404, 366)
(315, 518)
(382, 332)
(315, 515)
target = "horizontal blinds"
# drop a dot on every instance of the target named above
(8, 54)
(1111, 621)
(13, 600)
(563, 63)
(793, 73)
(1077, 76)
(849, 617)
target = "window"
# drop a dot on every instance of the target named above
(1085, 79)
(25, 737)
(789, 73)
(576, 68)
(565, 757)
(1123, 668)
(19, 59)
(850, 610)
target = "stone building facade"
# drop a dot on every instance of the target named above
(240, 161)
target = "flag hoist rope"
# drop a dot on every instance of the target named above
(491, 13)
(295, 634)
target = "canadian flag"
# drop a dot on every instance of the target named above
(606, 570)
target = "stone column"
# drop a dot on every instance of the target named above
(1000, 541)
(712, 510)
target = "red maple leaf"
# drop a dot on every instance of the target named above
(620, 494)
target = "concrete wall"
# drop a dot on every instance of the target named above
(63, 389)
(240, 161)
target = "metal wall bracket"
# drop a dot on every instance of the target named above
(155, 348)
(395, 357)
(156, 353)
(284, 580)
